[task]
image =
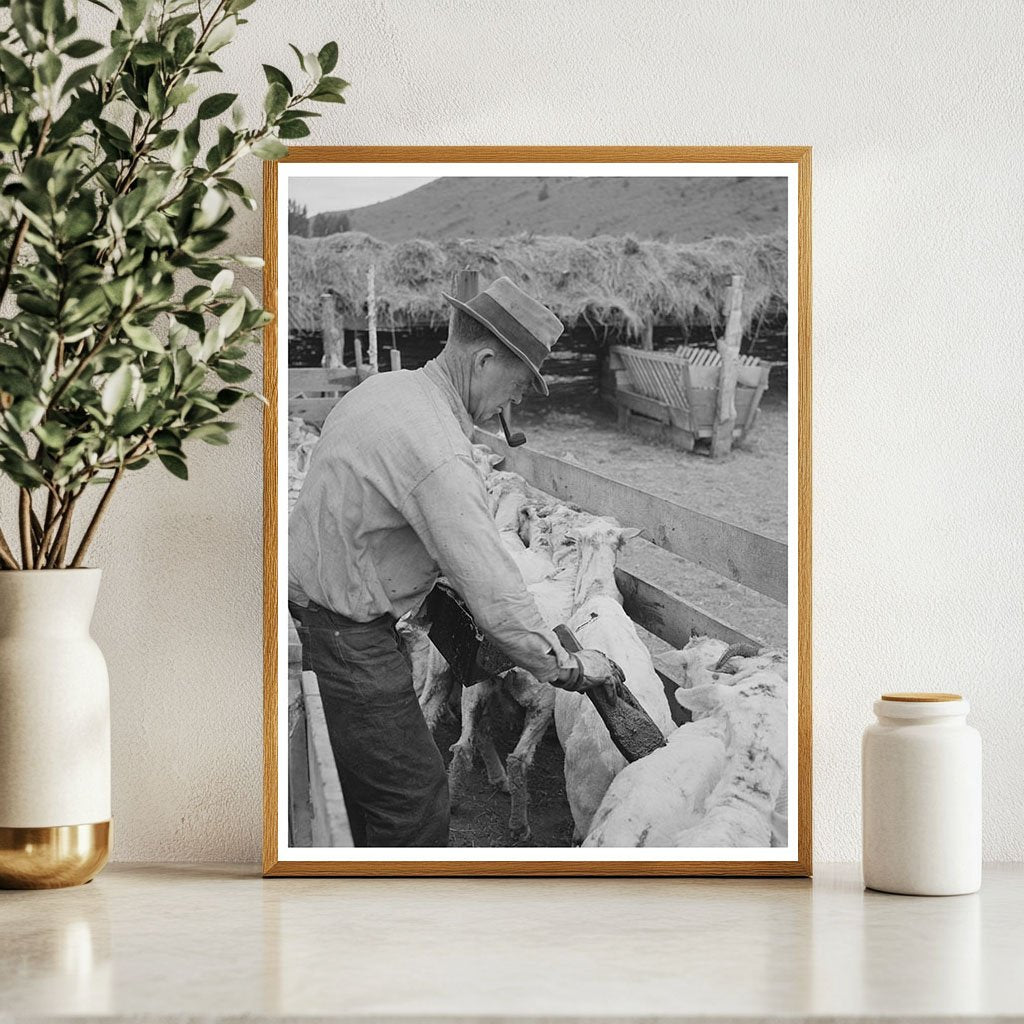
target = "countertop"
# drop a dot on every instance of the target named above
(180, 941)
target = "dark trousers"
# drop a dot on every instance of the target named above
(392, 774)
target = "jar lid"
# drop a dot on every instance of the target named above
(921, 705)
(920, 698)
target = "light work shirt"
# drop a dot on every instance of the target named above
(392, 500)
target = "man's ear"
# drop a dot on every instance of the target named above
(483, 356)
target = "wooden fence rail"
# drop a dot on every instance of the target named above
(737, 554)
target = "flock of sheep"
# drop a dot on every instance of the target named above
(720, 780)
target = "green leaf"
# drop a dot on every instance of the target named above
(163, 139)
(109, 65)
(128, 421)
(181, 94)
(211, 433)
(14, 68)
(276, 100)
(269, 149)
(279, 77)
(49, 68)
(311, 65)
(193, 379)
(78, 78)
(328, 57)
(232, 319)
(149, 53)
(83, 48)
(324, 96)
(195, 296)
(156, 101)
(334, 84)
(175, 465)
(214, 105)
(221, 35)
(25, 414)
(116, 390)
(227, 397)
(232, 373)
(133, 13)
(144, 338)
(53, 435)
(184, 44)
(26, 20)
(293, 130)
(222, 282)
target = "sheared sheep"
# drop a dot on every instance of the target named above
(599, 622)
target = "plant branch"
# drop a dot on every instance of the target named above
(61, 542)
(25, 523)
(90, 531)
(54, 507)
(6, 554)
(87, 357)
(22, 229)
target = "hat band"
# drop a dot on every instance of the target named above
(510, 330)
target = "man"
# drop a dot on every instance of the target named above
(391, 501)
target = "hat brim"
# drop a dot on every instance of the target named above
(539, 383)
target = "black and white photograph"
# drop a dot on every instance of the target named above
(537, 528)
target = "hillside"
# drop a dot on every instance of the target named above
(680, 209)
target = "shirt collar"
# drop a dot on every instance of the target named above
(437, 376)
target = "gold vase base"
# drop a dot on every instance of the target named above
(53, 857)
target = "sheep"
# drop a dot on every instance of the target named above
(302, 439)
(508, 493)
(652, 802)
(742, 659)
(598, 620)
(739, 811)
(651, 799)
(698, 661)
(475, 736)
(431, 677)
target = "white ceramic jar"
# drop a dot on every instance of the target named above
(921, 778)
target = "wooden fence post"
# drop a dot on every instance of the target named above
(647, 338)
(729, 349)
(333, 339)
(357, 345)
(465, 284)
(396, 359)
(371, 325)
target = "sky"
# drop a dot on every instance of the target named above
(319, 195)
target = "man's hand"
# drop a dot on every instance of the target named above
(587, 670)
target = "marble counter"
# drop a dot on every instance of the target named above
(173, 942)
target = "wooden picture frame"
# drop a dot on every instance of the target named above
(768, 566)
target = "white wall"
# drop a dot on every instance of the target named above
(914, 113)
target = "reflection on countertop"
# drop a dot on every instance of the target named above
(181, 941)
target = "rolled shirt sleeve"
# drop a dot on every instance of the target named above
(448, 510)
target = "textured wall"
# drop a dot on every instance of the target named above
(914, 115)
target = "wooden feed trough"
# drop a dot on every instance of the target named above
(692, 394)
(729, 551)
(675, 395)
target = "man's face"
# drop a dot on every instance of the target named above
(497, 380)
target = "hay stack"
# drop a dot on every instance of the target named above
(608, 281)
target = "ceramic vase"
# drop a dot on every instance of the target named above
(54, 731)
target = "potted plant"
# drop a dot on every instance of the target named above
(122, 338)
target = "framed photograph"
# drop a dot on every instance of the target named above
(538, 511)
